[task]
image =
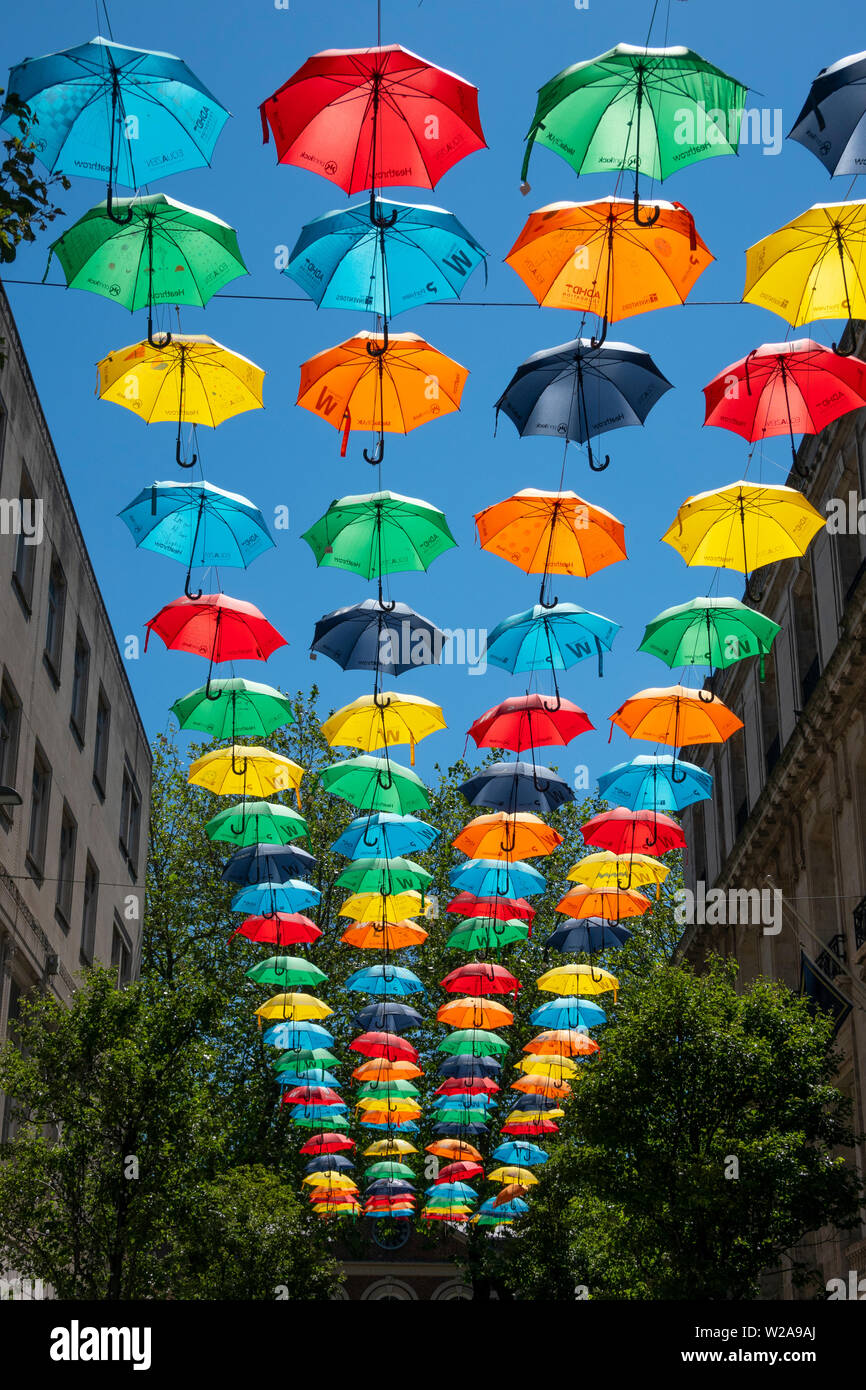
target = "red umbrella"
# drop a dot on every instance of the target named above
(481, 977)
(456, 1085)
(530, 1127)
(785, 388)
(384, 1045)
(216, 626)
(327, 1143)
(371, 117)
(282, 929)
(462, 1171)
(467, 905)
(312, 1095)
(633, 832)
(529, 721)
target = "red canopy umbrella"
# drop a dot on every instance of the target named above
(312, 1095)
(529, 721)
(481, 977)
(785, 388)
(282, 929)
(530, 1127)
(388, 1045)
(327, 1143)
(371, 117)
(467, 905)
(456, 1085)
(633, 832)
(461, 1171)
(216, 626)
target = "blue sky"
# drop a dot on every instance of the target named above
(284, 455)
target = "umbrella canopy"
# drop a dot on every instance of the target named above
(257, 823)
(376, 1044)
(588, 936)
(293, 970)
(562, 1042)
(379, 907)
(464, 1170)
(298, 1037)
(524, 1155)
(268, 863)
(474, 1012)
(192, 379)
(529, 721)
(389, 638)
(389, 1169)
(625, 832)
(521, 836)
(517, 786)
(279, 929)
(609, 904)
(608, 870)
(480, 977)
(467, 1086)
(329, 1163)
(456, 1150)
(390, 1017)
(509, 1173)
(235, 708)
(392, 980)
(487, 934)
(831, 123)
(382, 719)
(228, 771)
(744, 525)
(294, 1006)
(215, 626)
(651, 783)
(476, 1042)
(552, 1066)
(813, 267)
(578, 979)
(677, 716)
(389, 1146)
(383, 876)
(497, 878)
(709, 632)
(551, 533)
(384, 936)
(541, 1086)
(550, 637)
(262, 899)
(503, 909)
(378, 533)
(386, 834)
(327, 1144)
(568, 1012)
(197, 524)
(382, 1069)
(375, 784)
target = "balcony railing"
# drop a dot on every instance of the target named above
(824, 960)
(860, 923)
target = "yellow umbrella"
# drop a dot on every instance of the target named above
(405, 1106)
(608, 870)
(813, 267)
(294, 1006)
(531, 1117)
(511, 1173)
(382, 907)
(338, 1180)
(376, 721)
(386, 1148)
(743, 526)
(245, 771)
(547, 1064)
(578, 979)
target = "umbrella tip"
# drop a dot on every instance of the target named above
(525, 188)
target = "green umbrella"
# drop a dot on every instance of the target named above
(281, 970)
(257, 823)
(379, 533)
(473, 1042)
(167, 253)
(388, 1088)
(308, 1059)
(709, 632)
(332, 1122)
(236, 709)
(647, 109)
(487, 934)
(384, 876)
(389, 1170)
(461, 1115)
(375, 784)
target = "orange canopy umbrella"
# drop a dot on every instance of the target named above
(551, 533)
(454, 1149)
(383, 936)
(503, 836)
(676, 715)
(594, 257)
(508, 1193)
(475, 1013)
(381, 1069)
(541, 1086)
(562, 1042)
(610, 903)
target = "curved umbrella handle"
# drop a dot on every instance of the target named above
(376, 218)
(373, 348)
(543, 785)
(849, 351)
(238, 771)
(165, 338)
(599, 467)
(381, 704)
(194, 596)
(379, 452)
(654, 214)
(180, 462)
(675, 778)
(551, 709)
(706, 697)
(109, 209)
(386, 786)
(597, 342)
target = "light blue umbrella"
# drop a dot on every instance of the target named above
(455, 1191)
(516, 1207)
(567, 1011)
(295, 1037)
(386, 834)
(404, 1126)
(119, 114)
(264, 899)
(646, 783)
(393, 980)
(491, 878)
(197, 524)
(520, 1152)
(550, 639)
(424, 255)
(317, 1077)
(458, 1101)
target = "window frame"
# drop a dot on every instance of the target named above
(35, 855)
(130, 820)
(100, 748)
(23, 583)
(77, 724)
(9, 773)
(89, 911)
(52, 655)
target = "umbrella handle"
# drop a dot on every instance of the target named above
(674, 777)
(194, 596)
(597, 342)
(386, 786)
(710, 697)
(165, 338)
(598, 467)
(379, 452)
(376, 218)
(238, 771)
(653, 217)
(541, 786)
(373, 348)
(849, 351)
(180, 463)
(381, 704)
(109, 209)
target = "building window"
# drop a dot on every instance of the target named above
(130, 819)
(66, 867)
(739, 784)
(805, 640)
(3, 419)
(769, 705)
(121, 954)
(100, 741)
(54, 621)
(88, 915)
(25, 552)
(39, 799)
(80, 678)
(10, 728)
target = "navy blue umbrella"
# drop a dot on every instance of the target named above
(388, 1016)
(467, 1067)
(575, 390)
(389, 1187)
(832, 123)
(330, 1163)
(451, 1131)
(590, 934)
(389, 638)
(517, 786)
(263, 863)
(534, 1102)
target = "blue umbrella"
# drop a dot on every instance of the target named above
(264, 899)
(88, 99)
(455, 1191)
(317, 1112)
(404, 1126)
(385, 834)
(421, 256)
(462, 1102)
(370, 636)
(497, 878)
(330, 1163)
(831, 123)
(568, 1011)
(452, 1131)
(550, 639)
(516, 1207)
(591, 934)
(517, 786)
(387, 1187)
(472, 1067)
(388, 1017)
(535, 1102)
(576, 390)
(520, 1152)
(647, 783)
(261, 863)
(198, 524)
(319, 1077)
(294, 1037)
(385, 979)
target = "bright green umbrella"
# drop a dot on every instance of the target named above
(647, 109)
(281, 970)
(389, 1170)
(375, 784)
(307, 1059)
(388, 1088)
(257, 823)
(384, 876)
(473, 1042)
(236, 709)
(167, 253)
(487, 934)
(332, 1122)
(709, 632)
(462, 1115)
(379, 533)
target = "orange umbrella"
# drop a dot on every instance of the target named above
(594, 257)
(610, 903)
(508, 1193)
(400, 383)
(454, 1149)
(383, 936)
(562, 1042)
(475, 1013)
(676, 715)
(504, 836)
(381, 1069)
(541, 1086)
(551, 533)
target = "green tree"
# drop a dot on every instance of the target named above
(25, 199)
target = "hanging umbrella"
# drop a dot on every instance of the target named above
(517, 786)
(480, 977)
(550, 637)
(197, 524)
(551, 533)
(497, 878)
(524, 1155)
(379, 533)
(456, 1150)
(264, 899)
(709, 632)
(215, 626)
(621, 269)
(297, 1037)
(831, 123)
(609, 870)
(568, 1012)
(502, 909)
(393, 980)
(382, 719)
(315, 1076)
(408, 255)
(268, 863)
(279, 929)
(382, 382)
(389, 1017)
(462, 1171)
(383, 876)
(562, 1042)
(487, 934)
(469, 1068)
(677, 716)
(522, 836)
(235, 708)
(306, 1060)
(389, 1146)
(383, 1069)
(388, 638)
(627, 832)
(329, 1163)
(381, 1044)
(467, 1086)
(257, 823)
(609, 904)
(228, 771)
(322, 1095)
(474, 1012)
(193, 380)
(162, 253)
(577, 979)
(389, 1169)
(286, 970)
(385, 834)
(375, 784)
(529, 721)
(86, 99)
(295, 1006)
(647, 783)
(647, 109)
(553, 1066)
(476, 1042)
(589, 936)
(575, 391)
(380, 907)
(326, 1144)
(384, 936)
(541, 1086)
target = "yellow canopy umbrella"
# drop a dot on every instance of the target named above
(396, 1106)
(336, 1180)
(383, 907)
(246, 771)
(387, 1148)
(295, 1006)
(475, 1013)
(377, 721)
(511, 1173)
(608, 870)
(578, 979)
(814, 267)
(743, 526)
(552, 1065)
(530, 1117)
